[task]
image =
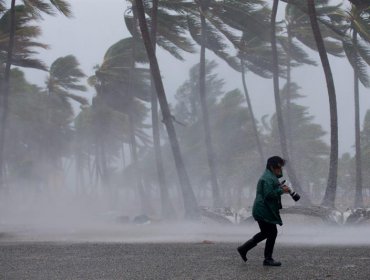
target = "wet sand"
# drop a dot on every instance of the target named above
(192, 260)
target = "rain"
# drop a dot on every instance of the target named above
(116, 148)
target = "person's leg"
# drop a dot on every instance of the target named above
(269, 247)
(251, 243)
(270, 242)
(263, 234)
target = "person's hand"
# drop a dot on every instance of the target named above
(286, 189)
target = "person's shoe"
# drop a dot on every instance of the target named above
(242, 253)
(271, 262)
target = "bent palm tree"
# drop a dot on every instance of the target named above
(358, 54)
(167, 208)
(122, 84)
(278, 105)
(190, 203)
(165, 32)
(330, 192)
(36, 8)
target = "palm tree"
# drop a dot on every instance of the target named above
(167, 208)
(36, 8)
(110, 111)
(24, 45)
(299, 32)
(278, 105)
(190, 203)
(330, 192)
(255, 56)
(122, 84)
(358, 55)
(254, 49)
(206, 36)
(64, 78)
(202, 93)
(176, 41)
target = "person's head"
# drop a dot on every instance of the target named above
(275, 165)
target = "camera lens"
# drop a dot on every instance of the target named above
(295, 196)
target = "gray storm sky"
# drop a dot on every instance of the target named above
(99, 24)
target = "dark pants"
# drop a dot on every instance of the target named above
(268, 232)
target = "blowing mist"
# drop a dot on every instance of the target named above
(99, 146)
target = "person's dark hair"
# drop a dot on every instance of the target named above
(275, 162)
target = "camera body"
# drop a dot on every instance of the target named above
(295, 196)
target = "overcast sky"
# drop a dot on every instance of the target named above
(99, 24)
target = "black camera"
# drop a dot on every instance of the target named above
(292, 193)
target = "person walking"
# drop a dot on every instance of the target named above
(266, 210)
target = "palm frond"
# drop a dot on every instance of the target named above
(295, 51)
(37, 7)
(22, 61)
(170, 48)
(357, 62)
(63, 7)
(77, 98)
(65, 73)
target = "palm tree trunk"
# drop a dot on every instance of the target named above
(145, 208)
(207, 130)
(5, 92)
(359, 202)
(190, 203)
(167, 208)
(289, 95)
(250, 109)
(279, 114)
(330, 192)
(103, 163)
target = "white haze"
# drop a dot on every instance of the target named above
(64, 218)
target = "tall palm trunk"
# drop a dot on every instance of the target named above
(330, 193)
(279, 114)
(359, 202)
(145, 208)
(5, 93)
(289, 95)
(144, 202)
(190, 203)
(203, 103)
(251, 113)
(167, 208)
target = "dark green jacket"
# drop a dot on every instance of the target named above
(268, 199)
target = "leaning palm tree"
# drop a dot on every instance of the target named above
(254, 50)
(24, 49)
(355, 44)
(204, 34)
(278, 105)
(64, 78)
(330, 192)
(167, 207)
(122, 84)
(168, 31)
(321, 16)
(36, 8)
(205, 115)
(190, 203)
(299, 33)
